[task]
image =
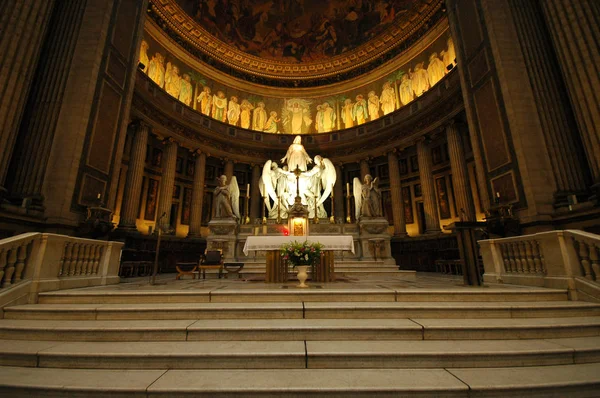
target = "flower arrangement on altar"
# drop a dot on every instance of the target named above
(301, 253)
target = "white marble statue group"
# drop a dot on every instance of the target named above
(279, 187)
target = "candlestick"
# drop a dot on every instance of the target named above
(348, 188)
(332, 217)
(248, 189)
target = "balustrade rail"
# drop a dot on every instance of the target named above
(552, 259)
(53, 262)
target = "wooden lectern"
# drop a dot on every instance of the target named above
(467, 244)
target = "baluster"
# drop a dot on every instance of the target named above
(61, 268)
(536, 257)
(86, 260)
(10, 267)
(529, 251)
(98, 257)
(505, 260)
(511, 257)
(93, 259)
(69, 262)
(523, 256)
(543, 260)
(20, 265)
(515, 249)
(3, 255)
(584, 258)
(595, 262)
(77, 255)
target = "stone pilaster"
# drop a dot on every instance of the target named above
(463, 197)
(39, 123)
(165, 197)
(554, 110)
(197, 195)
(396, 191)
(255, 199)
(364, 169)
(574, 30)
(135, 175)
(24, 25)
(228, 169)
(432, 219)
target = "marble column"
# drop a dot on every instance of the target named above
(135, 175)
(463, 197)
(339, 194)
(197, 195)
(228, 169)
(167, 181)
(432, 219)
(364, 169)
(575, 33)
(24, 25)
(396, 192)
(255, 199)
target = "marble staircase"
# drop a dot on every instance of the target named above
(221, 340)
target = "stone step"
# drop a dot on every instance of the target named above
(298, 329)
(93, 296)
(558, 380)
(298, 354)
(311, 310)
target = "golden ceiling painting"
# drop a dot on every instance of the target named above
(296, 39)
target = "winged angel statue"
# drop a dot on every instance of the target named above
(367, 197)
(227, 198)
(278, 187)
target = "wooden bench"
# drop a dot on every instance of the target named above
(181, 271)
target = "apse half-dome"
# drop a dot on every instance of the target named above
(296, 67)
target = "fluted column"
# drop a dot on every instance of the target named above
(573, 26)
(463, 197)
(396, 191)
(364, 169)
(255, 199)
(197, 195)
(228, 169)
(432, 220)
(135, 175)
(338, 192)
(24, 24)
(38, 125)
(165, 197)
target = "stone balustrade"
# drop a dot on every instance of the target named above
(36, 262)
(555, 259)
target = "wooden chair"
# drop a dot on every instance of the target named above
(211, 259)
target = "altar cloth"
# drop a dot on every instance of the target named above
(329, 242)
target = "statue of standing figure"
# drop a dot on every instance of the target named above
(367, 197)
(227, 198)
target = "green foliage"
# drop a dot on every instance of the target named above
(197, 78)
(301, 253)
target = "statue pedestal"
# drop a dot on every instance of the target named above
(223, 236)
(375, 240)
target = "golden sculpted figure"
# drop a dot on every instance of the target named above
(388, 101)
(259, 117)
(205, 100)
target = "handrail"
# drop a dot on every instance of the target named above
(35, 262)
(551, 259)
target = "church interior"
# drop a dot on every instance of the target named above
(163, 161)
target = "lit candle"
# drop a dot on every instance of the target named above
(348, 188)
(248, 188)
(498, 195)
(99, 196)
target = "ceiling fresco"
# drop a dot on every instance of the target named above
(298, 30)
(295, 43)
